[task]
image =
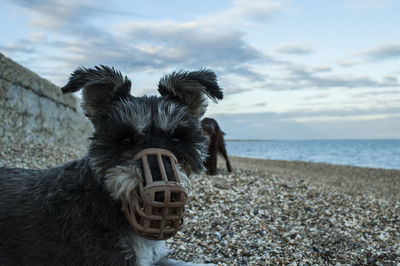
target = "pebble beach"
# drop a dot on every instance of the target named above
(273, 212)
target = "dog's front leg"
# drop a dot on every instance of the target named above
(171, 262)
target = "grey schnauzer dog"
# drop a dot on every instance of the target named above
(71, 214)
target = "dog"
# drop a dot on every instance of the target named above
(216, 144)
(73, 214)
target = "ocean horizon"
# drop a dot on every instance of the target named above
(372, 153)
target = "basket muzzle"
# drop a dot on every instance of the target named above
(156, 207)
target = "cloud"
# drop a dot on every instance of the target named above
(348, 63)
(190, 44)
(294, 49)
(53, 14)
(246, 71)
(215, 40)
(242, 13)
(303, 77)
(66, 15)
(331, 124)
(260, 104)
(386, 52)
(391, 93)
(258, 10)
(378, 54)
(329, 119)
(318, 96)
(25, 45)
(322, 69)
(17, 47)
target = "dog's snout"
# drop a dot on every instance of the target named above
(157, 165)
(158, 205)
(156, 168)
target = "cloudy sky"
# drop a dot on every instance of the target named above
(289, 69)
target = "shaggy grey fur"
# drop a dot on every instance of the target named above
(71, 214)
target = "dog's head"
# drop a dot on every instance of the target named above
(125, 125)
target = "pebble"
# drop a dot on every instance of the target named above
(269, 215)
(318, 225)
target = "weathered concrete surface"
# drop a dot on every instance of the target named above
(32, 109)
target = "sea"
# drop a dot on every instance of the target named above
(382, 153)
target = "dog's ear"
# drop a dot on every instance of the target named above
(101, 85)
(190, 89)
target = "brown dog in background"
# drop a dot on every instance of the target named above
(216, 145)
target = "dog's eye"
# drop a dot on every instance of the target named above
(175, 140)
(126, 141)
(179, 136)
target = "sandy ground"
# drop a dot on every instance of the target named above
(274, 212)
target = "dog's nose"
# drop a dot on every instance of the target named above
(157, 165)
(156, 170)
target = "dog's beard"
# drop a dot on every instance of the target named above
(184, 179)
(121, 181)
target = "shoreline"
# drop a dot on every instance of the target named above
(323, 163)
(242, 158)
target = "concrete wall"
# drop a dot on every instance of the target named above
(32, 109)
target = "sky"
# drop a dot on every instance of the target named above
(289, 69)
